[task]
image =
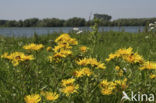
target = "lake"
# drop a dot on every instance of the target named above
(29, 31)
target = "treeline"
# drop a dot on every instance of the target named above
(104, 20)
(48, 22)
(133, 22)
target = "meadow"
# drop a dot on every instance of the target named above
(91, 67)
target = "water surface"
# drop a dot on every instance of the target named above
(29, 31)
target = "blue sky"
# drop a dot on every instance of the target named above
(64, 9)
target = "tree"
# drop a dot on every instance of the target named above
(11, 23)
(32, 22)
(103, 17)
(20, 23)
(3, 22)
(75, 21)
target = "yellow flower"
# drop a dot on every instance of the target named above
(67, 82)
(83, 49)
(83, 62)
(82, 72)
(117, 68)
(119, 53)
(33, 46)
(148, 65)
(34, 98)
(28, 57)
(106, 91)
(107, 87)
(134, 58)
(112, 56)
(70, 89)
(62, 54)
(17, 57)
(101, 66)
(51, 96)
(152, 76)
(49, 48)
(59, 55)
(125, 51)
(127, 55)
(66, 52)
(73, 41)
(87, 71)
(78, 73)
(65, 38)
(64, 46)
(91, 61)
(122, 83)
(104, 83)
(5, 55)
(57, 48)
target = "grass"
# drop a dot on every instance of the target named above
(32, 77)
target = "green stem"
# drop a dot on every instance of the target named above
(86, 91)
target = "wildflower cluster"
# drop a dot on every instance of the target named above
(65, 38)
(63, 47)
(108, 88)
(132, 58)
(127, 55)
(69, 87)
(33, 46)
(91, 61)
(148, 65)
(17, 57)
(83, 72)
(121, 84)
(50, 96)
(34, 98)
